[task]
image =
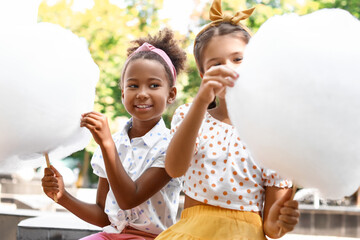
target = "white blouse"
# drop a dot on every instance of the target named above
(158, 212)
(223, 172)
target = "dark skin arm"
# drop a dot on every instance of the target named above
(280, 212)
(53, 183)
(128, 193)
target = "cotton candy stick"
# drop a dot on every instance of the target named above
(48, 165)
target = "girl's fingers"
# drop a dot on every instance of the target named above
(209, 90)
(88, 116)
(50, 185)
(227, 81)
(289, 219)
(286, 227)
(48, 172)
(87, 113)
(218, 87)
(292, 204)
(230, 81)
(51, 191)
(91, 127)
(56, 172)
(94, 114)
(289, 211)
(88, 120)
(223, 71)
(220, 91)
(93, 118)
(49, 179)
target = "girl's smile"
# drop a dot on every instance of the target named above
(143, 106)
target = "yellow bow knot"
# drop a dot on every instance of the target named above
(226, 18)
(217, 16)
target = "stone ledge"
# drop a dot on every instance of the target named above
(325, 220)
(54, 226)
(329, 221)
(9, 219)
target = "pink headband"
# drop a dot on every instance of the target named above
(146, 47)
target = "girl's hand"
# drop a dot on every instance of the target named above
(98, 125)
(215, 81)
(53, 183)
(284, 214)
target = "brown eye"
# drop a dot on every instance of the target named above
(154, 85)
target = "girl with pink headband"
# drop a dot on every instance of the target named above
(136, 198)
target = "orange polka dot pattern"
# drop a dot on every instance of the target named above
(222, 171)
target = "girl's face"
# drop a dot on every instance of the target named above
(146, 90)
(224, 50)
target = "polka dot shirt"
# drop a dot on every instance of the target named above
(222, 171)
(157, 213)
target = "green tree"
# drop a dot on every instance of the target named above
(353, 6)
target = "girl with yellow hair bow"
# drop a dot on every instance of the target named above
(227, 194)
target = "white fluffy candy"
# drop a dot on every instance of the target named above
(297, 101)
(47, 80)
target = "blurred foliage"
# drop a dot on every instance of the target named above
(108, 29)
(353, 6)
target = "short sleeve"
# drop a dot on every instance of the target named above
(97, 163)
(159, 161)
(177, 119)
(272, 179)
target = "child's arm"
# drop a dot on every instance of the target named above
(128, 193)
(182, 146)
(279, 212)
(53, 183)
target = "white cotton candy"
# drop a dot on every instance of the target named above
(18, 12)
(47, 80)
(297, 101)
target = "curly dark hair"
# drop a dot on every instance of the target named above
(165, 41)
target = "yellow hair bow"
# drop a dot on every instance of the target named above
(217, 17)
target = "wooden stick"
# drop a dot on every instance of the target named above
(48, 165)
(294, 188)
(293, 192)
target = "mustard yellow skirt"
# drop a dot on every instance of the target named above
(205, 222)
